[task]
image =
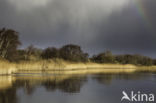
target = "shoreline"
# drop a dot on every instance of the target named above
(7, 68)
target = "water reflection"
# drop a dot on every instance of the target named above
(7, 90)
(8, 96)
(108, 78)
(69, 85)
(9, 85)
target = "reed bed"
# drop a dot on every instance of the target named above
(61, 65)
(7, 68)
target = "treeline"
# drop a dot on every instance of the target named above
(68, 52)
(108, 57)
(9, 42)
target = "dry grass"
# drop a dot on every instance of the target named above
(7, 67)
(147, 69)
(70, 67)
(64, 65)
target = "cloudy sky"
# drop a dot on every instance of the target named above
(122, 26)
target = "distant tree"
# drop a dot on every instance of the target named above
(154, 62)
(21, 55)
(106, 57)
(30, 50)
(127, 59)
(50, 53)
(73, 53)
(32, 53)
(9, 41)
(146, 61)
(134, 59)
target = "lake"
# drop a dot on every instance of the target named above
(61, 88)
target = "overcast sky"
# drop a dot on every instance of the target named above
(122, 26)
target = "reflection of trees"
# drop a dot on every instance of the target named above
(26, 85)
(107, 78)
(71, 85)
(68, 84)
(133, 76)
(8, 96)
(103, 79)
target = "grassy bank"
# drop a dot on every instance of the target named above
(68, 67)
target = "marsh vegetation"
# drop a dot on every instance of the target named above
(67, 57)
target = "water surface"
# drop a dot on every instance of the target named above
(52, 88)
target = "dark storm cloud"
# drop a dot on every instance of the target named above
(94, 24)
(127, 31)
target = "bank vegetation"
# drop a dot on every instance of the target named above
(67, 57)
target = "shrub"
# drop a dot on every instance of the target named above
(73, 53)
(50, 53)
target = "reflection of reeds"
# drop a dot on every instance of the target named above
(68, 83)
(60, 65)
(6, 82)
